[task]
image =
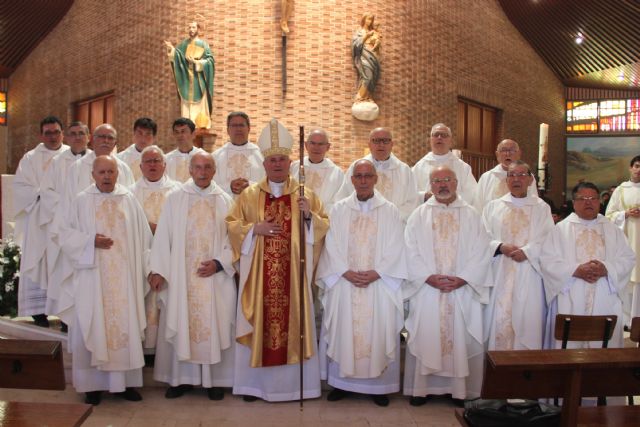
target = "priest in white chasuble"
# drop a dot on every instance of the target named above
(624, 211)
(151, 191)
(191, 263)
(493, 183)
(361, 271)
(586, 263)
(144, 134)
(239, 161)
(322, 176)
(53, 187)
(107, 243)
(32, 219)
(441, 141)
(450, 279)
(518, 224)
(184, 132)
(264, 229)
(396, 182)
(80, 175)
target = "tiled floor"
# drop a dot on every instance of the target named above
(195, 409)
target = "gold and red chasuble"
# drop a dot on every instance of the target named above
(276, 275)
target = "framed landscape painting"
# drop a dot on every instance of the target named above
(603, 160)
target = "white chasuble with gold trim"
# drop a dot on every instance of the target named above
(361, 324)
(515, 315)
(573, 242)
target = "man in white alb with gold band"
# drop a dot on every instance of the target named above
(239, 161)
(450, 279)
(191, 265)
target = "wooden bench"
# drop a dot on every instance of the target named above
(572, 374)
(31, 364)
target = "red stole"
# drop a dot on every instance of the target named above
(276, 279)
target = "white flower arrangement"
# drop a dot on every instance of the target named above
(9, 276)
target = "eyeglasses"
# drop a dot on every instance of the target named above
(50, 133)
(379, 141)
(363, 175)
(76, 134)
(507, 150)
(238, 125)
(440, 135)
(585, 199)
(317, 144)
(517, 175)
(152, 161)
(107, 137)
(441, 180)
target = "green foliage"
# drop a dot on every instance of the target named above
(9, 277)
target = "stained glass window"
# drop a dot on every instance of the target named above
(606, 116)
(582, 116)
(3, 108)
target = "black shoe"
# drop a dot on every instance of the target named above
(417, 400)
(380, 399)
(64, 328)
(92, 398)
(40, 320)
(337, 394)
(215, 393)
(177, 391)
(248, 398)
(459, 403)
(149, 359)
(130, 394)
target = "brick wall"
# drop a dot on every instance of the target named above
(432, 52)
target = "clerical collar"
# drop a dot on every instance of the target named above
(382, 164)
(239, 146)
(518, 201)
(155, 184)
(202, 191)
(80, 154)
(587, 222)
(365, 206)
(315, 163)
(277, 188)
(441, 157)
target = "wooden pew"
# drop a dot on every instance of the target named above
(571, 374)
(31, 364)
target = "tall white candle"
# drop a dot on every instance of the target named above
(542, 154)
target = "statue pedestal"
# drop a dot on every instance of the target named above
(205, 139)
(366, 111)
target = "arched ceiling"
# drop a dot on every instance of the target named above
(23, 23)
(609, 55)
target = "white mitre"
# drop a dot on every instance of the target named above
(275, 139)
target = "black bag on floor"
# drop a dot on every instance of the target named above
(500, 413)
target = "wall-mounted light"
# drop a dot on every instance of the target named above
(621, 76)
(3, 108)
(579, 37)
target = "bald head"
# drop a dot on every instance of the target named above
(381, 143)
(152, 163)
(364, 178)
(443, 184)
(317, 145)
(202, 168)
(105, 173)
(440, 139)
(104, 139)
(507, 152)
